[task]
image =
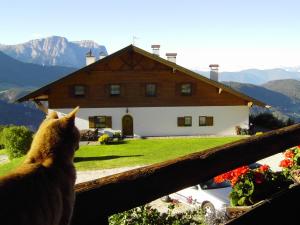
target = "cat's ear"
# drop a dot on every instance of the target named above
(72, 114)
(52, 115)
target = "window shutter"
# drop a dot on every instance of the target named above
(209, 121)
(194, 88)
(92, 122)
(180, 121)
(71, 91)
(177, 89)
(108, 121)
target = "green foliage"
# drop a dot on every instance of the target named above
(145, 215)
(104, 139)
(254, 186)
(17, 140)
(1, 139)
(268, 120)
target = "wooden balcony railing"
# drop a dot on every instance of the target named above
(98, 199)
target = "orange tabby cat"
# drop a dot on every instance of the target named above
(41, 190)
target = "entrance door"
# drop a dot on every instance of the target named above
(127, 125)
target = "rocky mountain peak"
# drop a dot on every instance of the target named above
(54, 50)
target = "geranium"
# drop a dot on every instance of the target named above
(286, 163)
(291, 162)
(289, 154)
(251, 185)
(264, 168)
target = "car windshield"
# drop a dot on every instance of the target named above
(210, 184)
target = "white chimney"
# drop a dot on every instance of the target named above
(89, 58)
(214, 72)
(155, 49)
(171, 57)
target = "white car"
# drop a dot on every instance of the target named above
(212, 197)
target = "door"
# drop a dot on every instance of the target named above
(127, 125)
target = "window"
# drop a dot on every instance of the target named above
(206, 121)
(186, 89)
(115, 90)
(100, 122)
(150, 90)
(185, 121)
(79, 90)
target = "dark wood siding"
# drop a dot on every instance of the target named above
(132, 72)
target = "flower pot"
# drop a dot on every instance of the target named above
(236, 211)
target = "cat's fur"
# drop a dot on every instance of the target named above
(41, 190)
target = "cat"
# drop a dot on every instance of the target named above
(41, 190)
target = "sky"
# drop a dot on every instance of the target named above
(236, 34)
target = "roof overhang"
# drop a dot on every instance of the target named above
(42, 95)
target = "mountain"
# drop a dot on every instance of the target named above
(288, 87)
(55, 51)
(25, 114)
(14, 73)
(255, 76)
(275, 94)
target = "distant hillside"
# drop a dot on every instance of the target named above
(255, 76)
(288, 87)
(18, 114)
(16, 73)
(56, 51)
(283, 105)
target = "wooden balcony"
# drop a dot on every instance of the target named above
(98, 199)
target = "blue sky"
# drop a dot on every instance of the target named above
(236, 34)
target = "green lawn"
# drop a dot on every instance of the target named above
(135, 152)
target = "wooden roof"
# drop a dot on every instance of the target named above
(35, 95)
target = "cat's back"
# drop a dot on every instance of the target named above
(30, 196)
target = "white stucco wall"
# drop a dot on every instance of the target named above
(162, 121)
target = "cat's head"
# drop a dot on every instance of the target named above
(56, 139)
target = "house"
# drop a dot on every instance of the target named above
(143, 94)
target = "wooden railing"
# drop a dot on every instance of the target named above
(98, 199)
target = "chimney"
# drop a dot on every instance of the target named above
(214, 72)
(155, 49)
(89, 58)
(171, 57)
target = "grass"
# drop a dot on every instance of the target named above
(134, 152)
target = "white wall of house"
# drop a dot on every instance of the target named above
(162, 121)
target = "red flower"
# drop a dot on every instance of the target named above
(258, 177)
(289, 154)
(264, 168)
(286, 163)
(219, 179)
(232, 176)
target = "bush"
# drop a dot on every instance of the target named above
(268, 120)
(1, 140)
(104, 139)
(88, 135)
(17, 140)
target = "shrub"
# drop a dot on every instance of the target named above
(104, 139)
(17, 140)
(268, 120)
(88, 135)
(1, 140)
